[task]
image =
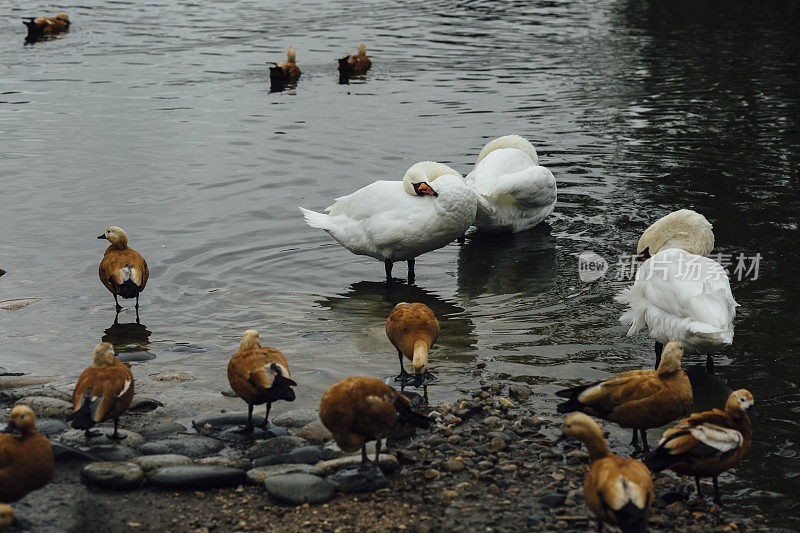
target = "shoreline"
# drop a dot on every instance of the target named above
(490, 464)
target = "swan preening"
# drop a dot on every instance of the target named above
(519, 193)
(400, 220)
(679, 294)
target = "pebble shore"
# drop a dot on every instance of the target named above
(489, 463)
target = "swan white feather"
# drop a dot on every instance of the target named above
(388, 221)
(519, 193)
(681, 296)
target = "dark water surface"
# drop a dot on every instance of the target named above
(158, 118)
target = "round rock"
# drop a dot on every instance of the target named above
(305, 454)
(296, 418)
(45, 407)
(357, 480)
(388, 463)
(113, 475)
(232, 462)
(297, 489)
(50, 427)
(77, 437)
(256, 476)
(112, 452)
(225, 419)
(276, 446)
(194, 447)
(151, 462)
(314, 432)
(195, 477)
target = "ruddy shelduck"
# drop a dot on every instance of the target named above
(358, 409)
(637, 399)
(708, 443)
(412, 328)
(26, 458)
(280, 74)
(123, 270)
(259, 375)
(104, 390)
(46, 26)
(618, 490)
(355, 64)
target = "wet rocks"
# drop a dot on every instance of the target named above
(232, 462)
(15, 382)
(256, 476)
(160, 428)
(45, 407)
(149, 463)
(272, 447)
(314, 432)
(195, 477)
(358, 480)
(297, 489)
(50, 427)
(77, 437)
(113, 475)
(304, 454)
(388, 463)
(236, 435)
(296, 418)
(519, 392)
(112, 452)
(219, 420)
(194, 447)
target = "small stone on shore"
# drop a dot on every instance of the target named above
(112, 452)
(232, 462)
(151, 462)
(195, 477)
(356, 480)
(297, 489)
(225, 419)
(256, 476)
(77, 437)
(113, 475)
(314, 432)
(296, 418)
(275, 446)
(45, 407)
(305, 454)
(388, 463)
(194, 447)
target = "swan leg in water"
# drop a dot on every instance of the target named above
(411, 271)
(659, 348)
(387, 265)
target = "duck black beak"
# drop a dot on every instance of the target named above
(644, 256)
(103, 236)
(752, 412)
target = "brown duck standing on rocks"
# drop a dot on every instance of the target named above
(708, 443)
(46, 26)
(413, 329)
(618, 490)
(259, 375)
(358, 409)
(123, 271)
(104, 390)
(26, 459)
(355, 64)
(637, 399)
(281, 74)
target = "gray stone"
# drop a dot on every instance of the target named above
(62, 452)
(272, 447)
(388, 463)
(160, 428)
(297, 489)
(113, 475)
(195, 477)
(135, 356)
(256, 476)
(236, 435)
(358, 480)
(232, 462)
(50, 427)
(553, 500)
(171, 376)
(193, 447)
(519, 392)
(303, 455)
(77, 437)
(112, 452)
(15, 382)
(314, 432)
(143, 404)
(225, 419)
(151, 462)
(296, 418)
(44, 407)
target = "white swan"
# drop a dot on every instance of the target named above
(678, 293)
(519, 192)
(399, 220)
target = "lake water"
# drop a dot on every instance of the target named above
(157, 117)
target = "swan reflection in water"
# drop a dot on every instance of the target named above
(363, 309)
(508, 263)
(130, 340)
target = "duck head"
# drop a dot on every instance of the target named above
(582, 427)
(21, 419)
(116, 236)
(103, 355)
(741, 400)
(684, 229)
(250, 340)
(419, 177)
(671, 358)
(63, 17)
(509, 141)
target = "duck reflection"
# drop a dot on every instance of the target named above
(130, 340)
(507, 263)
(366, 304)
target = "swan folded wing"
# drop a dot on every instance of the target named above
(369, 200)
(499, 163)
